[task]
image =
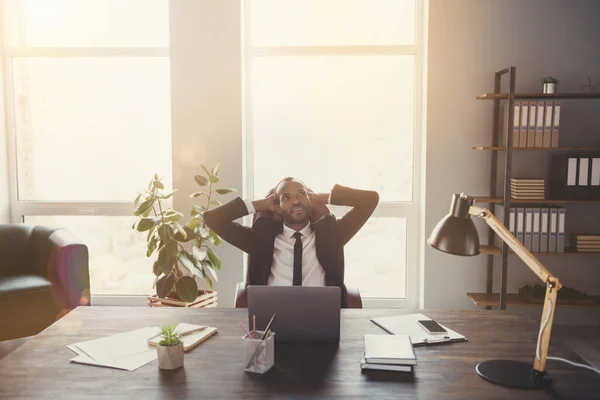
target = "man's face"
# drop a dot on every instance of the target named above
(294, 203)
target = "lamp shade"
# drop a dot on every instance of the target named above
(456, 233)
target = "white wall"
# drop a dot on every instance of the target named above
(206, 108)
(4, 194)
(468, 41)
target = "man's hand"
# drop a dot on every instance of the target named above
(319, 203)
(266, 204)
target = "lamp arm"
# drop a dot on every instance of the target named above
(521, 251)
(552, 283)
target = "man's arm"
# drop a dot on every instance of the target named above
(221, 220)
(363, 203)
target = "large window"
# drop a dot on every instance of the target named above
(88, 101)
(333, 95)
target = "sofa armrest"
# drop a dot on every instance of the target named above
(68, 269)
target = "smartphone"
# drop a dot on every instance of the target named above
(432, 327)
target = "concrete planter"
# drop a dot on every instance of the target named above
(170, 357)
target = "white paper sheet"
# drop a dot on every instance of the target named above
(129, 363)
(408, 325)
(110, 348)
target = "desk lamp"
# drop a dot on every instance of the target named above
(456, 234)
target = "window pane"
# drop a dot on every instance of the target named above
(91, 129)
(376, 259)
(88, 23)
(332, 22)
(118, 262)
(334, 119)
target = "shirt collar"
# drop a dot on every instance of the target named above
(289, 232)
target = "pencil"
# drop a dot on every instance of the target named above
(265, 335)
(254, 325)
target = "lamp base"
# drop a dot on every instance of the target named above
(514, 374)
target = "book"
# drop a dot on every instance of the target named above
(384, 367)
(196, 334)
(389, 349)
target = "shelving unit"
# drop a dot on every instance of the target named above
(503, 298)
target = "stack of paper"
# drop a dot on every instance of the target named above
(587, 243)
(527, 189)
(131, 350)
(388, 352)
(127, 350)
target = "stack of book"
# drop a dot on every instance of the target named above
(587, 243)
(388, 353)
(535, 123)
(527, 189)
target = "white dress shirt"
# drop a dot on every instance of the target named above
(282, 268)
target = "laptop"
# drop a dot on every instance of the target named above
(304, 314)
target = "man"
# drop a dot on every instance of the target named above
(301, 243)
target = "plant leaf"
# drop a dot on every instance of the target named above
(205, 169)
(165, 233)
(156, 268)
(213, 178)
(216, 239)
(145, 206)
(168, 195)
(213, 258)
(164, 285)
(225, 191)
(185, 260)
(189, 235)
(165, 261)
(199, 253)
(215, 170)
(201, 180)
(151, 248)
(146, 224)
(187, 289)
(173, 217)
(193, 223)
(204, 232)
(172, 247)
(215, 203)
(158, 184)
(136, 202)
(208, 266)
(197, 194)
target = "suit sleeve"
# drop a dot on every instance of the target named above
(221, 220)
(363, 203)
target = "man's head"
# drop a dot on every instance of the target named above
(292, 202)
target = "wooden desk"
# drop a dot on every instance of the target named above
(40, 368)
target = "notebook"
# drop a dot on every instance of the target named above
(190, 340)
(384, 367)
(408, 325)
(389, 349)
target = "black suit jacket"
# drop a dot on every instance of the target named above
(331, 234)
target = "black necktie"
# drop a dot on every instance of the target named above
(298, 259)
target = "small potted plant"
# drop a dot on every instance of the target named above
(549, 83)
(170, 349)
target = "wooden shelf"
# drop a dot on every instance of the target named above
(498, 200)
(528, 96)
(495, 250)
(492, 148)
(512, 299)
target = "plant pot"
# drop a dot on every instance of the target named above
(549, 87)
(205, 299)
(170, 357)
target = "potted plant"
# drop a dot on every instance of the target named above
(176, 267)
(549, 83)
(170, 349)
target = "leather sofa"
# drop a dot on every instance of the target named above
(44, 274)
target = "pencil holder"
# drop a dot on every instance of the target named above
(259, 355)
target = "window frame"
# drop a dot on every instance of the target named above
(411, 210)
(20, 208)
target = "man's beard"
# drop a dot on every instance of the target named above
(291, 219)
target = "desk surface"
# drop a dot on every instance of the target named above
(40, 368)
